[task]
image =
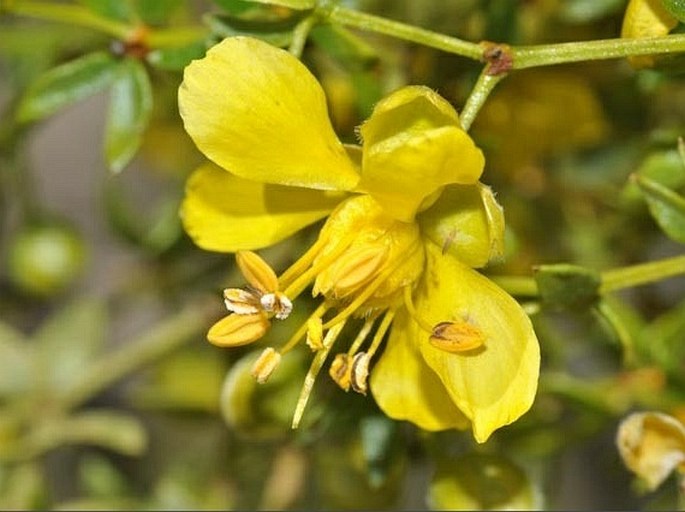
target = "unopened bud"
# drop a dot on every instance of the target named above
(256, 271)
(341, 371)
(236, 330)
(360, 372)
(456, 336)
(265, 365)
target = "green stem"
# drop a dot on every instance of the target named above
(67, 13)
(158, 342)
(177, 36)
(300, 35)
(612, 280)
(644, 273)
(480, 92)
(547, 54)
(403, 31)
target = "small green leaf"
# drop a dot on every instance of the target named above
(156, 12)
(129, 112)
(568, 286)
(67, 84)
(67, 342)
(667, 207)
(625, 323)
(662, 340)
(676, 8)
(234, 6)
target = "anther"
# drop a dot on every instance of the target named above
(360, 372)
(256, 271)
(315, 333)
(241, 302)
(276, 303)
(237, 330)
(341, 371)
(456, 336)
(265, 365)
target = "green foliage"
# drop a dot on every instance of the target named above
(566, 285)
(676, 8)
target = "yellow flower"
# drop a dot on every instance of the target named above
(407, 223)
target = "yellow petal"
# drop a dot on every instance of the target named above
(652, 445)
(492, 385)
(414, 145)
(646, 18)
(257, 111)
(225, 213)
(405, 388)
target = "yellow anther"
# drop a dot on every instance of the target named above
(315, 333)
(256, 271)
(265, 365)
(353, 270)
(237, 330)
(341, 371)
(241, 302)
(360, 372)
(456, 336)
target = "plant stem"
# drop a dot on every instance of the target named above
(300, 35)
(546, 54)
(519, 286)
(352, 18)
(644, 273)
(480, 92)
(152, 345)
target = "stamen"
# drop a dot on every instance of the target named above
(299, 284)
(341, 371)
(456, 336)
(301, 264)
(362, 297)
(361, 336)
(295, 338)
(314, 370)
(236, 330)
(360, 372)
(265, 365)
(256, 271)
(241, 302)
(380, 332)
(276, 303)
(315, 333)
(426, 326)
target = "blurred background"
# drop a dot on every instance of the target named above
(110, 397)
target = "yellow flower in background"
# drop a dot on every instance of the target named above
(407, 223)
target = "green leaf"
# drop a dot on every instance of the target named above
(587, 11)
(113, 9)
(129, 113)
(15, 362)
(67, 342)
(157, 12)
(24, 488)
(667, 207)
(344, 45)
(234, 6)
(105, 428)
(67, 84)
(676, 8)
(175, 59)
(663, 341)
(625, 323)
(567, 286)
